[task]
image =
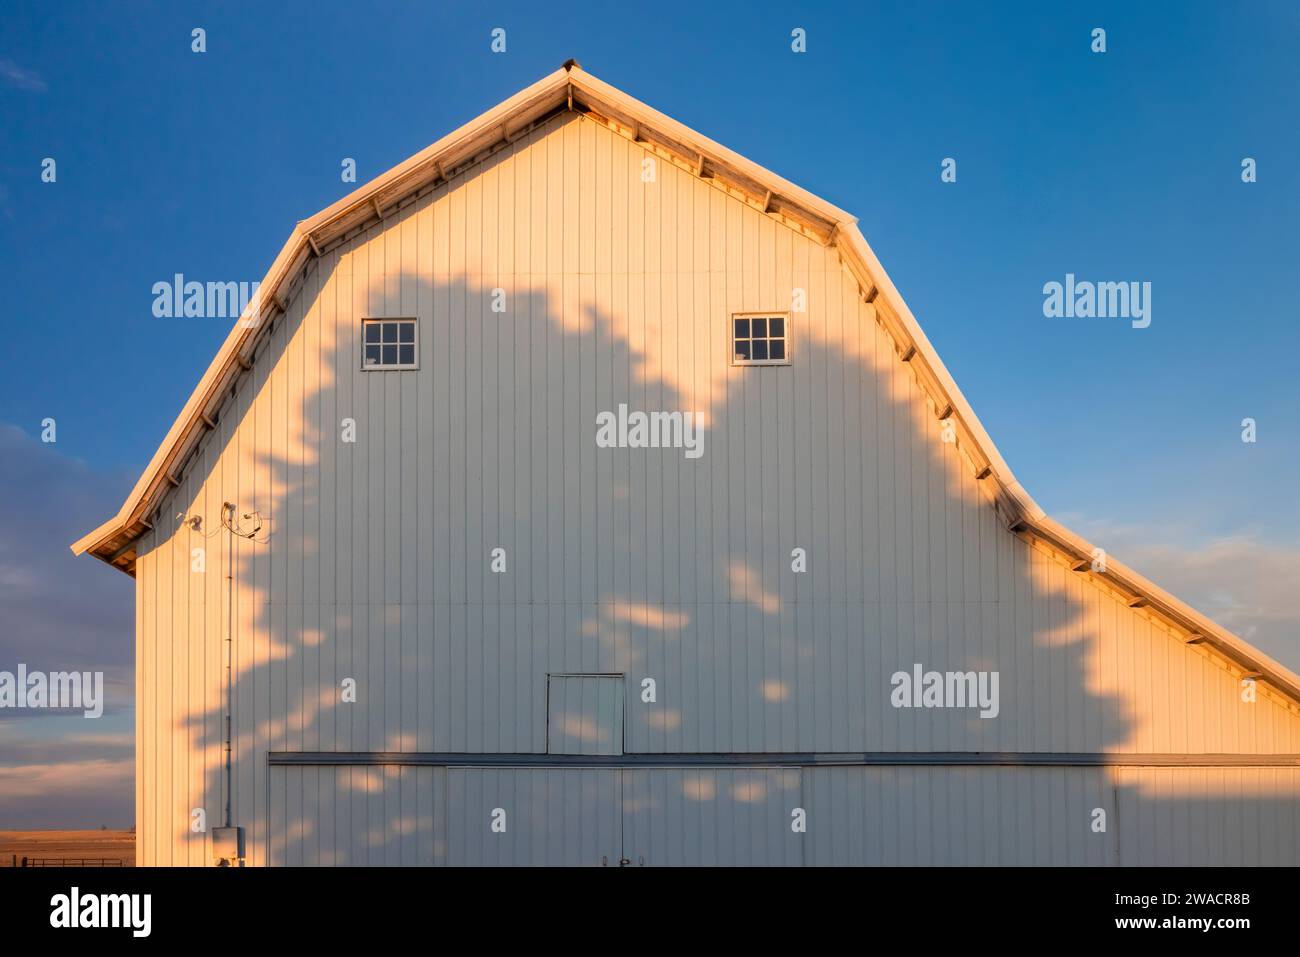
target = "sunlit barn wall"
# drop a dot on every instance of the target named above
(373, 562)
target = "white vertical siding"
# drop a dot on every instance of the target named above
(373, 560)
(852, 816)
(964, 816)
(1203, 817)
(691, 817)
(551, 817)
(357, 816)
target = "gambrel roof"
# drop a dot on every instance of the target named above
(571, 89)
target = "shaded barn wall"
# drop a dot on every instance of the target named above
(373, 562)
(1003, 816)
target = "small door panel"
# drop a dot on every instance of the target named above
(584, 714)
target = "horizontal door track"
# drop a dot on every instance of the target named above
(763, 759)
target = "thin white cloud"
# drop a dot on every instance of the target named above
(1249, 586)
(77, 794)
(21, 79)
(37, 742)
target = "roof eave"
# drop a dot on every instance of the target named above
(573, 86)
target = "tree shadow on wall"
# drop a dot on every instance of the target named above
(374, 566)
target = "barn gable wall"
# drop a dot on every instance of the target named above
(373, 561)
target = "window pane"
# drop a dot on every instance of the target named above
(408, 355)
(742, 328)
(758, 327)
(407, 332)
(390, 355)
(390, 332)
(760, 348)
(372, 332)
(776, 349)
(742, 350)
(776, 327)
(372, 355)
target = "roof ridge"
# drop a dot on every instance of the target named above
(562, 90)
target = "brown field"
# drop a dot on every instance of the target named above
(72, 846)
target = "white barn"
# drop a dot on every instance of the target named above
(595, 498)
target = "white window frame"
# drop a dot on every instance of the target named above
(399, 367)
(786, 337)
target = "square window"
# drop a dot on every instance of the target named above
(759, 340)
(389, 344)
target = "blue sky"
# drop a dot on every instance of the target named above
(1117, 166)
